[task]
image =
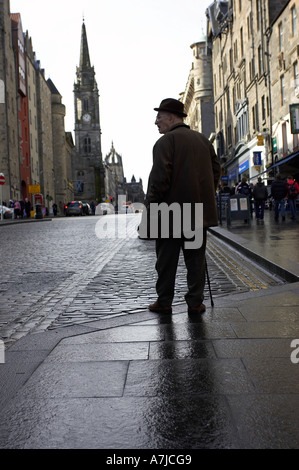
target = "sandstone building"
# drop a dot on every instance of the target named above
(254, 61)
(34, 148)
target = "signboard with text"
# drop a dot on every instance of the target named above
(294, 114)
(34, 189)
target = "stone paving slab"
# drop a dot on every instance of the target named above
(161, 382)
(222, 380)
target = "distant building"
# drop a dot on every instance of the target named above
(115, 182)
(63, 146)
(135, 191)
(114, 175)
(87, 164)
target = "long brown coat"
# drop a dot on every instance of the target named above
(185, 170)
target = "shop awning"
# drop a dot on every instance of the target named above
(295, 164)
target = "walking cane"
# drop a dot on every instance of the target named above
(210, 290)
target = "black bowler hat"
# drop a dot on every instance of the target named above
(172, 106)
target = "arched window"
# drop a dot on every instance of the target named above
(87, 145)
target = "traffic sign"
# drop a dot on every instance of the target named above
(2, 179)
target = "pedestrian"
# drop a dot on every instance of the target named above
(54, 207)
(225, 189)
(93, 208)
(244, 188)
(185, 170)
(27, 207)
(293, 191)
(260, 195)
(17, 209)
(279, 190)
(22, 208)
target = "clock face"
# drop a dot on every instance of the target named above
(86, 117)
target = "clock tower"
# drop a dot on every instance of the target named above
(87, 163)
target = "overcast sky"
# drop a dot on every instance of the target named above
(141, 53)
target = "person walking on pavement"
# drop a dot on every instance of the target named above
(260, 195)
(279, 190)
(27, 207)
(293, 191)
(185, 170)
(244, 188)
(17, 209)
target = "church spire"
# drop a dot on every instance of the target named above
(84, 53)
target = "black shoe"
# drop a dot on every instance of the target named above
(155, 307)
(200, 309)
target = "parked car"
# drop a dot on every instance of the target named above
(73, 208)
(7, 212)
(86, 208)
(104, 208)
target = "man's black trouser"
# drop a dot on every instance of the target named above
(168, 252)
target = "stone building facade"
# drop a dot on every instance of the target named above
(252, 68)
(29, 131)
(45, 136)
(284, 70)
(9, 136)
(32, 110)
(62, 150)
(198, 94)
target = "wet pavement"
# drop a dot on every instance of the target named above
(228, 379)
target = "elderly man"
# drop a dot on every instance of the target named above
(185, 171)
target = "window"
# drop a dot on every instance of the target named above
(294, 21)
(253, 118)
(248, 26)
(296, 74)
(231, 60)
(235, 51)
(280, 37)
(241, 129)
(87, 145)
(234, 98)
(229, 135)
(263, 108)
(241, 42)
(251, 69)
(282, 91)
(261, 62)
(258, 14)
(295, 141)
(227, 100)
(284, 138)
(86, 104)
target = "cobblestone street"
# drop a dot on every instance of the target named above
(59, 273)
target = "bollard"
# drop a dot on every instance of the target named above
(38, 211)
